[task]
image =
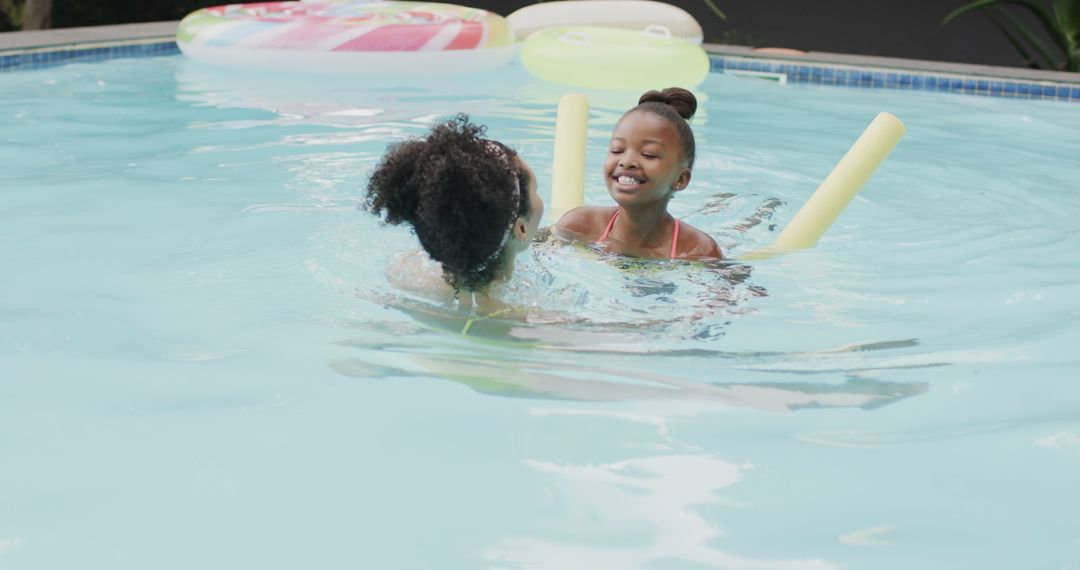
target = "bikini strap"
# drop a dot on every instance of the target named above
(469, 323)
(674, 240)
(607, 230)
(674, 237)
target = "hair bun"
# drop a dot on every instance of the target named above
(683, 101)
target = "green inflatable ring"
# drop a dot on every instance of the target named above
(607, 58)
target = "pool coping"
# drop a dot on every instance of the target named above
(912, 65)
(49, 48)
(83, 37)
(844, 70)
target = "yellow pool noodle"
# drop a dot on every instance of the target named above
(568, 168)
(837, 190)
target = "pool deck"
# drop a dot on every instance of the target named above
(27, 50)
(89, 36)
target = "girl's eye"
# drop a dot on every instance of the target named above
(615, 150)
(647, 155)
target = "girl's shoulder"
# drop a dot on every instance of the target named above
(696, 244)
(585, 222)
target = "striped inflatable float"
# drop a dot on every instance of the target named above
(356, 37)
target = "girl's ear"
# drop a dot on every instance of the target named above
(683, 180)
(521, 230)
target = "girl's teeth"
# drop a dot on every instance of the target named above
(627, 181)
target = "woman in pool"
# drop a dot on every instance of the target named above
(471, 201)
(650, 158)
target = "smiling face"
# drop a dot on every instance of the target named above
(645, 161)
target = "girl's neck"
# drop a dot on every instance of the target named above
(505, 268)
(478, 301)
(643, 226)
(481, 299)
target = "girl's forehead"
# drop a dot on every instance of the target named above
(641, 123)
(520, 162)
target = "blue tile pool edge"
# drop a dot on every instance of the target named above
(52, 56)
(852, 76)
(784, 71)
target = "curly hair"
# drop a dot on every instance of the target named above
(460, 193)
(678, 106)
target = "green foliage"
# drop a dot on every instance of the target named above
(715, 10)
(1058, 47)
(733, 37)
(10, 15)
(68, 13)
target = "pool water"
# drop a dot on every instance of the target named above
(203, 365)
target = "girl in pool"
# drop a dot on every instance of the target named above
(471, 201)
(650, 158)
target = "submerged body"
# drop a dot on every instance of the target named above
(472, 202)
(672, 238)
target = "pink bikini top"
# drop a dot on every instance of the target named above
(674, 236)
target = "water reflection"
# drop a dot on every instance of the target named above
(567, 290)
(408, 104)
(534, 369)
(1064, 440)
(649, 504)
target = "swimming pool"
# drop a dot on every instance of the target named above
(199, 369)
